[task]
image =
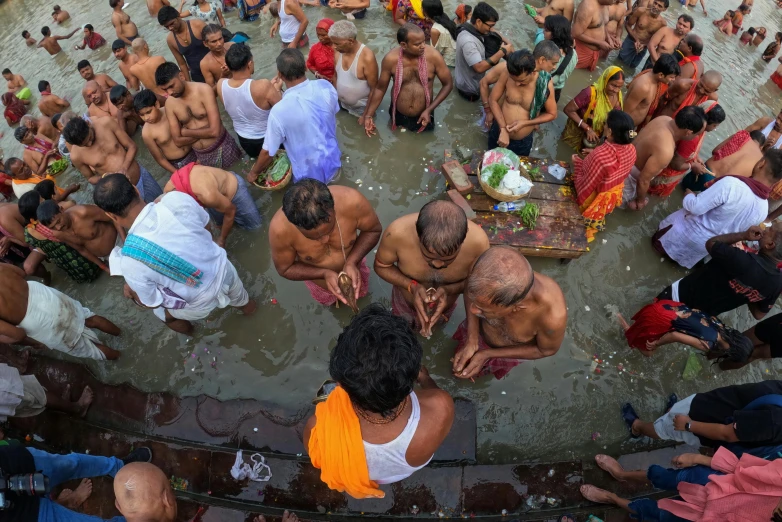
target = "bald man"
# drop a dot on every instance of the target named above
(143, 493)
(685, 92)
(145, 67)
(690, 49)
(513, 314)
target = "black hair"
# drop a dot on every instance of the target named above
(211, 29)
(739, 345)
(773, 159)
(779, 35)
(113, 3)
(666, 3)
(441, 227)
(114, 193)
(403, 33)
(166, 72)
(621, 125)
(7, 71)
(291, 64)
(46, 211)
(10, 162)
(143, 99)
(82, 64)
(689, 19)
(715, 115)
(166, 14)
(695, 43)
(28, 205)
(237, 57)
(751, 31)
(485, 13)
(308, 204)
(433, 9)
(117, 93)
(743, 7)
(118, 44)
(43, 85)
(559, 27)
(45, 189)
(376, 360)
(618, 75)
(76, 131)
(25, 33)
(691, 118)
(520, 62)
(667, 65)
(45, 30)
(20, 132)
(54, 119)
(89, 27)
(758, 137)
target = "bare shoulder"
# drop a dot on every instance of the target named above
(402, 227)
(436, 404)
(344, 196)
(476, 237)
(552, 297)
(390, 59)
(279, 226)
(201, 88)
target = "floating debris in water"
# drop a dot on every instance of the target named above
(551, 472)
(255, 430)
(414, 510)
(504, 512)
(587, 308)
(628, 268)
(605, 241)
(595, 435)
(506, 393)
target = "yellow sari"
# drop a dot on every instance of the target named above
(597, 110)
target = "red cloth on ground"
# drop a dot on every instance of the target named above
(326, 298)
(587, 58)
(14, 108)
(499, 367)
(733, 145)
(321, 60)
(181, 181)
(777, 79)
(401, 308)
(651, 322)
(604, 168)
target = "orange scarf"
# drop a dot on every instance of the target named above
(337, 449)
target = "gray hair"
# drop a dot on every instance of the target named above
(343, 29)
(548, 50)
(501, 275)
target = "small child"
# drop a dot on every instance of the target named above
(773, 48)
(321, 58)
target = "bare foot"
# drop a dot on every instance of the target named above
(84, 401)
(597, 495)
(249, 308)
(66, 393)
(289, 517)
(74, 499)
(622, 322)
(610, 465)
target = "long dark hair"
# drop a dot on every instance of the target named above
(739, 345)
(621, 125)
(559, 27)
(434, 9)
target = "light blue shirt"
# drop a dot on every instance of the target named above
(305, 122)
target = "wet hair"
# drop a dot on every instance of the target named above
(238, 56)
(695, 42)
(559, 27)
(7, 71)
(739, 345)
(758, 137)
(25, 34)
(54, 119)
(433, 9)
(667, 65)
(143, 99)
(715, 115)
(20, 132)
(621, 125)
(114, 193)
(291, 64)
(343, 29)
(118, 44)
(211, 29)
(520, 62)
(743, 8)
(46, 211)
(441, 227)
(501, 275)
(484, 12)
(45, 30)
(166, 72)
(376, 360)
(76, 131)
(773, 159)
(404, 32)
(10, 162)
(113, 3)
(166, 14)
(689, 19)
(548, 50)
(778, 36)
(751, 31)
(43, 85)
(666, 3)
(691, 118)
(308, 204)
(89, 27)
(82, 64)
(274, 10)
(117, 93)
(28, 205)
(45, 189)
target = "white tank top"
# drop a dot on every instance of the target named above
(249, 119)
(387, 462)
(353, 92)
(289, 26)
(768, 130)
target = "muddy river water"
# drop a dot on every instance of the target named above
(551, 409)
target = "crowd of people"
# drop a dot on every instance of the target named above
(634, 134)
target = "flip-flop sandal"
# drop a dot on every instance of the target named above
(672, 399)
(629, 416)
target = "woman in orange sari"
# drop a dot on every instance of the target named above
(600, 177)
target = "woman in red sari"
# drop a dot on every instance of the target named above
(320, 60)
(14, 108)
(600, 177)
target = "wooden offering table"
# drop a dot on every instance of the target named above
(559, 232)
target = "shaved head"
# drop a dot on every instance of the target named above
(712, 79)
(501, 276)
(441, 227)
(138, 45)
(143, 494)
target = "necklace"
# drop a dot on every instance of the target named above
(382, 420)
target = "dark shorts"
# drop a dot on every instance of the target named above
(411, 122)
(648, 64)
(196, 76)
(521, 147)
(665, 295)
(468, 95)
(557, 94)
(627, 54)
(304, 41)
(769, 331)
(251, 146)
(360, 15)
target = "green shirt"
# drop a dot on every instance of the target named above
(559, 81)
(79, 268)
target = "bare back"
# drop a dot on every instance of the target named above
(207, 182)
(740, 163)
(51, 45)
(144, 69)
(655, 141)
(13, 294)
(640, 94)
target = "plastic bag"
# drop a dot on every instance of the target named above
(500, 155)
(557, 171)
(242, 470)
(692, 368)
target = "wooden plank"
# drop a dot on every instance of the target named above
(565, 209)
(547, 191)
(457, 198)
(454, 173)
(542, 163)
(550, 233)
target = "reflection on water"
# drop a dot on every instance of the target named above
(549, 409)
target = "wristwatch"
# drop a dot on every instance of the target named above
(687, 427)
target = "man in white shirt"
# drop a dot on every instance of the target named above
(732, 204)
(304, 121)
(169, 260)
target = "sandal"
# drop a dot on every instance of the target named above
(629, 416)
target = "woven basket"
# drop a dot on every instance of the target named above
(279, 186)
(495, 194)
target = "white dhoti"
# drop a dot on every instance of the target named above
(630, 190)
(20, 395)
(227, 290)
(57, 321)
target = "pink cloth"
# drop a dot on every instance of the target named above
(749, 492)
(401, 308)
(423, 77)
(499, 367)
(326, 298)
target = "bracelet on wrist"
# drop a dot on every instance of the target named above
(413, 283)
